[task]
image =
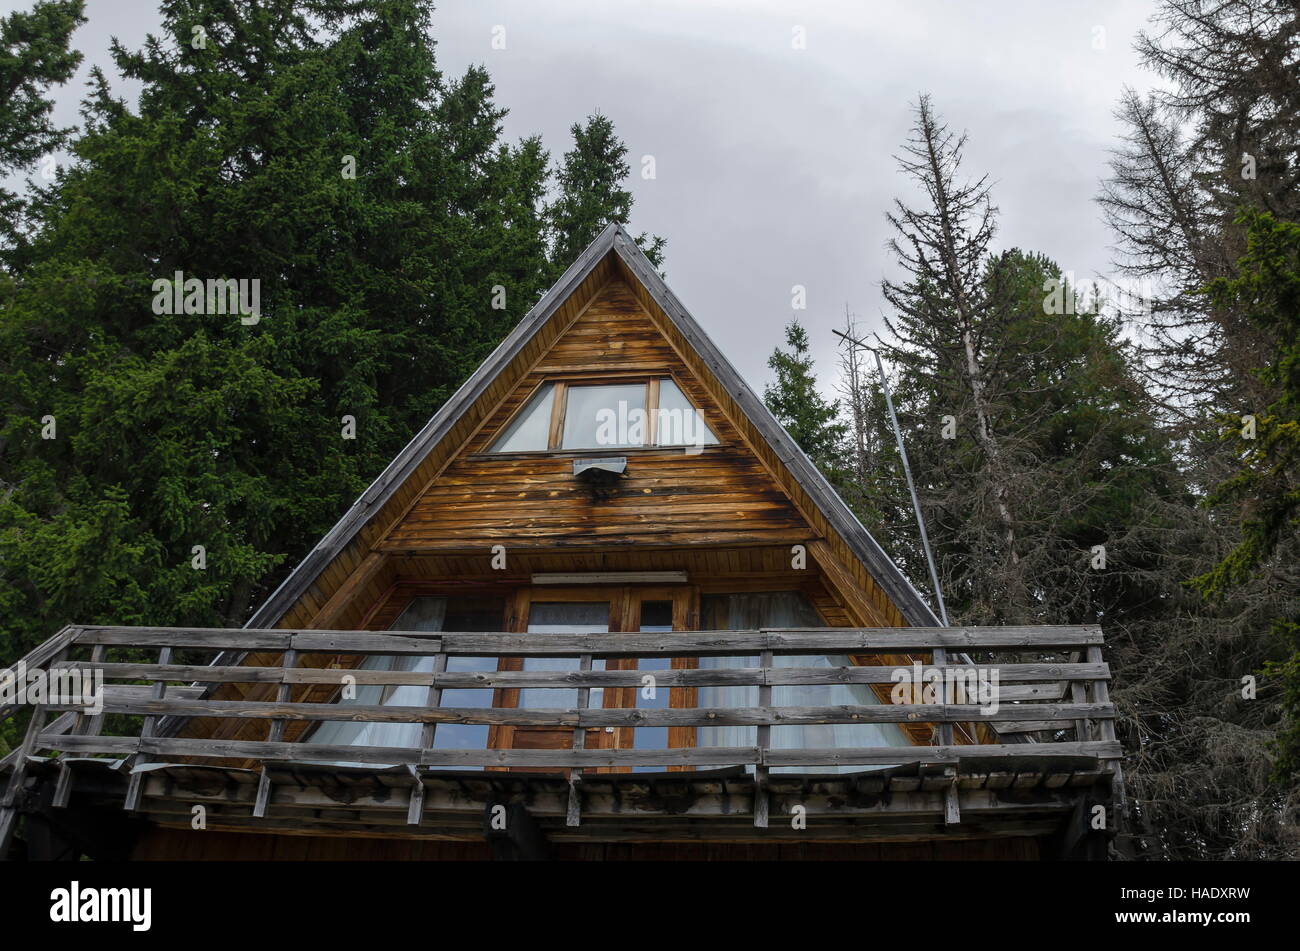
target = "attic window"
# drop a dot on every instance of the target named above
(627, 414)
(529, 430)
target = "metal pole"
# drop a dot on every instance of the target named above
(907, 471)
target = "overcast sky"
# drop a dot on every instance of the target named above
(774, 164)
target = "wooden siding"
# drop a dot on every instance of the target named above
(352, 556)
(886, 612)
(722, 496)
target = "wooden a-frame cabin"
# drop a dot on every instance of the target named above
(600, 607)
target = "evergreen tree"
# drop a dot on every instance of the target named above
(1219, 136)
(35, 54)
(812, 422)
(592, 193)
(322, 155)
(1267, 289)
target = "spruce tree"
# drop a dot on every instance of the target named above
(812, 422)
(592, 193)
(35, 54)
(1267, 289)
(1219, 136)
(395, 239)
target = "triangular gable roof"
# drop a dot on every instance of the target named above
(614, 241)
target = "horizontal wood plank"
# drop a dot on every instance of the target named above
(1007, 675)
(600, 717)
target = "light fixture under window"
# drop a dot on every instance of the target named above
(600, 474)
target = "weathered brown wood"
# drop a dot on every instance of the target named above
(40, 657)
(387, 642)
(521, 499)
(275, 735)
(786, 641)
(764, 737)
(845, 585)
(1008, 674)
(606, 716)
(85, 724)
(158, 692)
(573, 810)
(415, 806)
(342, 597)
(568, 758)
(9, 802)
(702, 798)
(937, 754)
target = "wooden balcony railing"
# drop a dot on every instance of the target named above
(1051, 683)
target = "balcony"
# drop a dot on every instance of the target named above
(1020, 725)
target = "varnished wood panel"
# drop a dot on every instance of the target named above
(719, 497)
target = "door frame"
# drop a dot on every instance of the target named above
(624, 617)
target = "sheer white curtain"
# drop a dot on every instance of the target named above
(739, 612)
(423, 614)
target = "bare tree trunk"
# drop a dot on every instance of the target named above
(852, 367)
(955, 278)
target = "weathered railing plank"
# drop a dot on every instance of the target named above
(565, 759)
(386, 642)
(605, 716)
(1029, 695)
(703, 677)
(784, 641)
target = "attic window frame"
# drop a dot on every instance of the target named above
(650, 377)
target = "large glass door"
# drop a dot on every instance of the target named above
(543, 611)
(549, 611)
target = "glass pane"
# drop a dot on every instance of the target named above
(470, 615)
(530, 430)
(605, 417)
(559, 617)
(677, 422)
(422, 614)
(465, 736)
(656, 616)
(737, 612)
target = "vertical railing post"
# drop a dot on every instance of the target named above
(939, 658)
(1106, 728)
(761, 796)
(9, 802)
(275, 734)
(85, 725)
(1082, 727)
(415, 808)
(573, 814)
(135, 785)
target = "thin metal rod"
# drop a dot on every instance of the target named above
(907, 471)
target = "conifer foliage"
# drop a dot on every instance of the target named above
(244, 293)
